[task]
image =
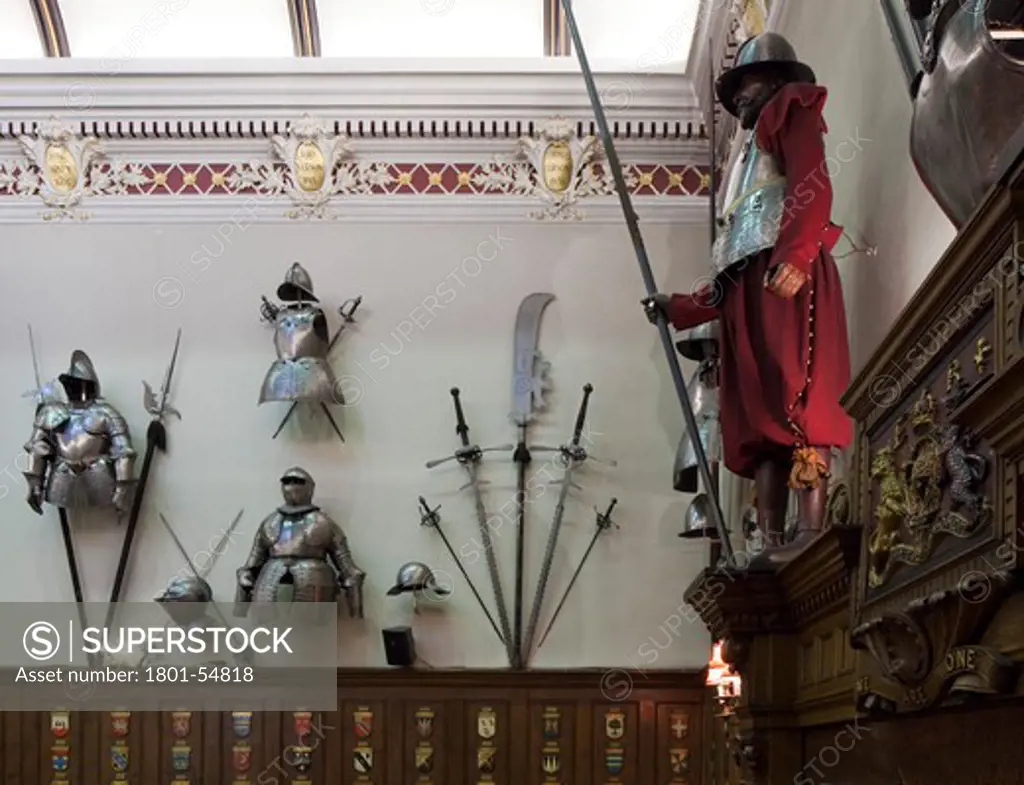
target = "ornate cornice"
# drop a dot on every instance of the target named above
(452, 137)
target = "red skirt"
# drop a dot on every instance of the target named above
(784, 363)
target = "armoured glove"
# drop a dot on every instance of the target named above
(120, 498)
(656, 306)
(35, 494)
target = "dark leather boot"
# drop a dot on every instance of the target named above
(771, 480)
(810, 518)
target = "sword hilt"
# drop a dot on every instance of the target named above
(604, 519)
(460, 418)
(268, 311)
(348, 308)
(581, 415)
(430, 516)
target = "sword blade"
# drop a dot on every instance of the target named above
(568, 589)
(648, 276)
(35, 359)
(549, 557)
(492, 560)
(178, 545)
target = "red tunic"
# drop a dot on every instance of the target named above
(784, 363)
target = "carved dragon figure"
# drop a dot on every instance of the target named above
(964, 470)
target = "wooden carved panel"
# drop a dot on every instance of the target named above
(391, 728)
(931, 481)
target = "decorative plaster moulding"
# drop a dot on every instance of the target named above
(194, 141)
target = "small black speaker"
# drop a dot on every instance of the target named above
(399, 647)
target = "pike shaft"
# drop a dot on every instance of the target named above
(615, 165)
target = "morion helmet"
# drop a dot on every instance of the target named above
(415, 576)
(764, 52)
(297, 285)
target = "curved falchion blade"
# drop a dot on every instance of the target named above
(637, 239)
(528, 370)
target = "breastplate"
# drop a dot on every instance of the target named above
(83, 438)
(296, 336)
(752, 206)
(298, 538)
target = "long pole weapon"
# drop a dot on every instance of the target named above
(604, 522)
(347, 312)
(65, 524)
(156, 439)
(432, 520)
(469, 456)
(572, 456)
(648, 276)
(529, 372)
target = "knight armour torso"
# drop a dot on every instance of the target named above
(301, 372)
(751, 207)
(83, 438)
(306, 536)
(300, 332)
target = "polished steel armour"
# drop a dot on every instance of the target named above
(301, 372)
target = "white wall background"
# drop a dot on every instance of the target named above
(106, 289)
(878, 194)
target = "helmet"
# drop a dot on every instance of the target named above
(698, 519)
(81, 370)
(298, 285)
(767, 51)
(415, 576)
(704, 400)
(297, 486)
(185, 599)
(701, 342)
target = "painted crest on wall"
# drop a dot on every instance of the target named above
(614, 724)
(362, 723)
(311, 153)
(562, 172)
(241, 757)
(60, 165)
(362, 759)
(60, 724)
(425, 759)
(181, 723)
(552, 723)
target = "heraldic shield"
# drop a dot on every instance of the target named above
(425, 759)
(119, 758)
(614, 760)
(486, 723)
(181, 758)
(680, 760)
(60, 724)
(425, 723)
(615, 724)
(60, 756)
(181, 724)
(486, 759)
(362, 759)
(241, 723)
(362, 723)
(241, 757)
(550, 761)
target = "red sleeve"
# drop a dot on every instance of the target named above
(791, 127)
(689, 310)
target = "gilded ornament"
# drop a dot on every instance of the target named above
(916, 471)
(60, 168)
(310, 167)
(560, 170)
(557, 167)
(982, 349)
(63, 161)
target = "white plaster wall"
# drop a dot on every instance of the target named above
(111, 290)
(878, 195)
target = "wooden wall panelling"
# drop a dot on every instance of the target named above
(519, 701)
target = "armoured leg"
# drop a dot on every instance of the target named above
(810, 517)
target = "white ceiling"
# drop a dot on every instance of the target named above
(649, 33)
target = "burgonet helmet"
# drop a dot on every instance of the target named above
(416, 576)
(80, 370)
(764, 52)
